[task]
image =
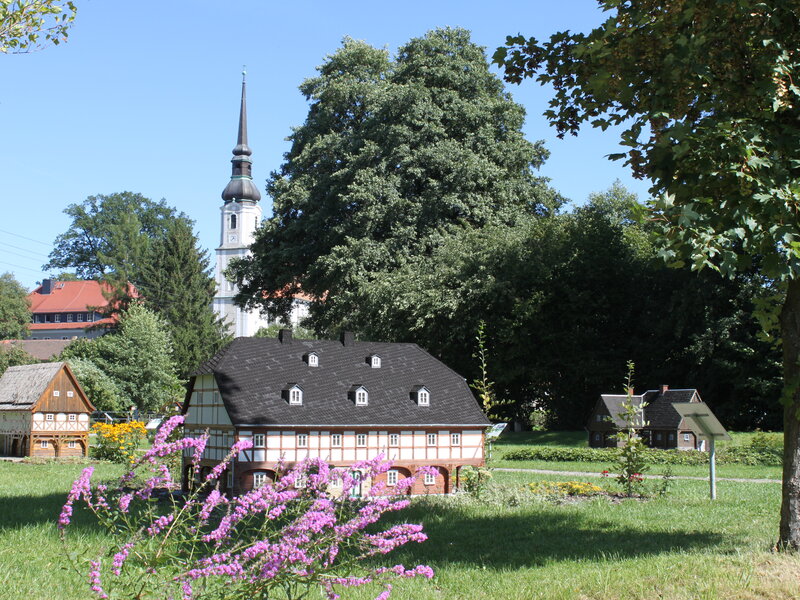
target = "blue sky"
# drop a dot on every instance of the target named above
(144, 98)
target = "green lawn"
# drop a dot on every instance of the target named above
(578, 439)
(509, 546)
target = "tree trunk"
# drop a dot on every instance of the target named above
(790, 334)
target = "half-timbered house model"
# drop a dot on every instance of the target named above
(342, 401)
(43, 412)
(663, 426)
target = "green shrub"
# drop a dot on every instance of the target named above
(741, 455)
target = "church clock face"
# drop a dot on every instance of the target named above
(232, 238)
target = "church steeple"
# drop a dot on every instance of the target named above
(241, 187)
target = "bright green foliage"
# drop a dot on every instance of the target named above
(138, 359)
(482, 385)
(110, 237)
(13, 356)
(176, 283)
(14, 309)
(631, 458)
(395, 156)
(706, 94)
(101, 390)
(27, 25)
(474, 480)
(298, 332)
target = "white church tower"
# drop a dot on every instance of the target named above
(240, 216)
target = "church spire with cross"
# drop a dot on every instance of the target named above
(241, 187)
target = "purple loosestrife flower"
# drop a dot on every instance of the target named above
(384, 595)
(159, 524)
(81, 487)
(94, 580)
(166, 429)
(120, 558)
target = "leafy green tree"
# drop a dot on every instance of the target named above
(177, 284)
(298, 333)
(137, 357)
(98, 386)
(13, 356)
(394, 156)
(111, 234)
(15, 312)
(27, 25)
(706, 97)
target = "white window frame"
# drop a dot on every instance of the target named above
(375, 361)
(430, 479)
(56, 393)
(336, 440)
(259, 479)
(394, 439)
(57, 318)
(49, 417)
(72, 417)
(259, 440)
(455, 439)
(302, 440)
(79, 317)
(687, 437)
(431, 439)
(392, 476)
(296, 396)
(44, 444)
(70, 394)
(71, 444)
(301, 481)
(313, 360)
(361, 440)
(69, 317)
(423, 398)
(362, 397)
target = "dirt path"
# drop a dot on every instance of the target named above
(587, 474)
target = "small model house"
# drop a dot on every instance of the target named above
(43, 412)
(342, 401)
(663, 427)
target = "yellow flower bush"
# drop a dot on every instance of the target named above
(118, 442)
(564, 488)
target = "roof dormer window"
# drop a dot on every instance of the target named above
(293, 394)
(374, 361)
(312, 359)
(359, 395)
(421, 395)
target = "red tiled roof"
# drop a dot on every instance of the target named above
(69, 296)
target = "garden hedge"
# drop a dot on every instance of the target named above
(740, 455)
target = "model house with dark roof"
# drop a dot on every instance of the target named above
(43, 412)
(62, 310)
(663, 427)
(342, 401)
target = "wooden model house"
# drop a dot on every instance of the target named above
(342, 401)
(43, 412)
(663, 426)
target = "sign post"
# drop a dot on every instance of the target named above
(705, 426)
(492, 433)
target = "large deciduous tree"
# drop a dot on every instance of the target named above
(110, 235)
(706, 97)
(15, 313)
(137, 357)
(394, 156)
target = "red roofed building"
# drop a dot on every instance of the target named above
(62, 310)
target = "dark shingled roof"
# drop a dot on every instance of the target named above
(659, 412)
(252, 372)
